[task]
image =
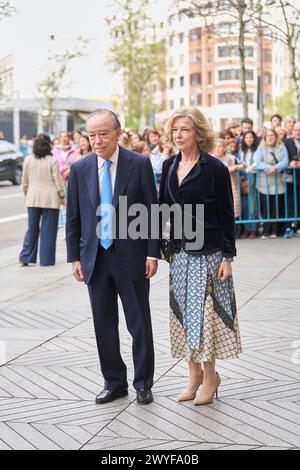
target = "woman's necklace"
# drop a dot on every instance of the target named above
(189, 161)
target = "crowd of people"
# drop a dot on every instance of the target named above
(260, 163)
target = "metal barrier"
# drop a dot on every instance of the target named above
(277, 189)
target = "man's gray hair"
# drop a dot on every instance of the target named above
(107, 112)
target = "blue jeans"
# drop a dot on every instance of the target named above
(47, 232)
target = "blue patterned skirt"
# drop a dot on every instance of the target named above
(203, 315)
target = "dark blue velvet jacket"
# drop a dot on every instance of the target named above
(208, 183)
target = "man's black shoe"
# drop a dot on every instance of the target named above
(144, 397)
(106, 396)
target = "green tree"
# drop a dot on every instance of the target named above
(50, 87)
(284, 105)
(140, 57)
(6, 9)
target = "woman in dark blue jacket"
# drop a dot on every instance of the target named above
(203, 323)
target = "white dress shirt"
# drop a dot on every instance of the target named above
(113, 173)
(113, 169)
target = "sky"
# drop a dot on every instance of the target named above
(28, 32)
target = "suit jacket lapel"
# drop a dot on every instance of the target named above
(91, 175)
(124, 170)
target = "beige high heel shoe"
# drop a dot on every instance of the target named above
(188, 395)
(205, 399)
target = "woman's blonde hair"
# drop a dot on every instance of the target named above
(278, 142)
(205, 136)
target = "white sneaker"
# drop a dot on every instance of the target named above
(273, 236)
(264, 237)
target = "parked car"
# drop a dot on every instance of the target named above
(11, 163)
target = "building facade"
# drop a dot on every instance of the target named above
(203, 69)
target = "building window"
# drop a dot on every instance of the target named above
(181, 59)
(267, 78)
(225, 98)
(249, 51)
(233, 51)
(193, 100)
(234, 74)
(195, 78)
(267, 55)
(209, 55)
(172, 83)
(171, 19)
(209, 78)
(182, 102)
(181, 38)
(171, 40)
(181, 81)
(196, 100)
(228, 28)
(195, 57)
(209, 100)
(172, 104)
(195, 34)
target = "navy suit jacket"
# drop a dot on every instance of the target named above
(135, 180)
(293, 155)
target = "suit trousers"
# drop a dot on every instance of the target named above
(107, 283)
(48, 218)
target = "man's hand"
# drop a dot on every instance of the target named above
(225, 271)
(151, 268)
(77, 271)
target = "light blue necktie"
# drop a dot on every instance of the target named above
(106, 209)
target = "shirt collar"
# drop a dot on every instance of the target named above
(114, 158)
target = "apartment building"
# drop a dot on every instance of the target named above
(203, 69)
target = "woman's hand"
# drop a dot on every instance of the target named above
(250, 168)
(225, 271)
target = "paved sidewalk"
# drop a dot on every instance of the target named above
(50, 373)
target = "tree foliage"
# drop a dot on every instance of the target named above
(139, 56)
(6, 9)
(50, 87)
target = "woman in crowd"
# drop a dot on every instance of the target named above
(152, 139)
(83, 151)
(289, 124)
(135, 138)
(271, 159)
(232, 148)
(228, 160)
(141, 147)
(248, 183)
(282, 134)
(44, 193)
(203, 322)
(165, 150)
(124, 141)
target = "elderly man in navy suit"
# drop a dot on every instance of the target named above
(113, 266)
